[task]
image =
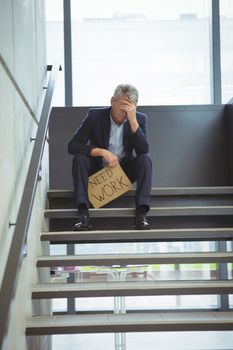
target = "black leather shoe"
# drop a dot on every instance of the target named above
(83, 224)
(141, 223)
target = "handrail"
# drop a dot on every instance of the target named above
(15, 256)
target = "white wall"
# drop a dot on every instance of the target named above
(22, 46)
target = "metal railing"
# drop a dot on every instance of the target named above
(15, 256)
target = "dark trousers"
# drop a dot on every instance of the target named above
(137, 169)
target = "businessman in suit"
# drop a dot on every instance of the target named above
(108, 136)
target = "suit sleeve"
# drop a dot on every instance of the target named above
(79, 141)
(139, 138)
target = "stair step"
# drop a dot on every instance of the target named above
(135, 322)
(107, 289)
(137, 236)
(159, 211)
(162, 191)
(134, 259)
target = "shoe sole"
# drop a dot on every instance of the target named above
(142, 228)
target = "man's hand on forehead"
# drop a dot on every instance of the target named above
(126, 100)
(127, 105)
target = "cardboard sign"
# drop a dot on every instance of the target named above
(106, 185)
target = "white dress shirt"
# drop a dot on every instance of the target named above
(116, 140)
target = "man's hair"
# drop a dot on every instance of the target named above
(126, 89)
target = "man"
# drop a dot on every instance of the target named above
(108, 136)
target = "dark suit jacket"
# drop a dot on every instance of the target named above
(95, 130)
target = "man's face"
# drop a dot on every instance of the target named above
(119, 113)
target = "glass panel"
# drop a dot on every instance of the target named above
(148, 341)
(180, 340)
(226, 23)
(231, 300)
(59, 305)
(58, 274)
(144, 247)
(83, 342)
(55, 44)
(94, 304)
(160, 46)
(171, 302)
(148, 303)
(58, 249)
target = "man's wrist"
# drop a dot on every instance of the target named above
(134, 125)
(97, 152)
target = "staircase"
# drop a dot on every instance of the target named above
(177, 215)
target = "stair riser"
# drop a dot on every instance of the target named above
(155, 223)
(133, 261)
(154, 212)
(168, 327)
(114, 293)
(156, 201)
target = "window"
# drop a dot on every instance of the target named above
(55, 44)
(160, 46)
(226, 25)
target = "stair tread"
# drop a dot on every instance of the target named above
(133, 235)
(127, 259)
(138, 322)
(58, 193)
(128, 288)
(154, 211)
